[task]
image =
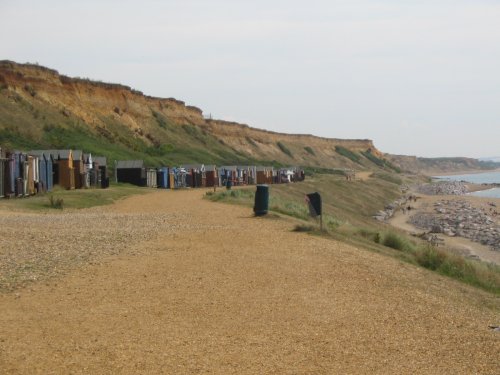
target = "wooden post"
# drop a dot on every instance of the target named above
(321, 223)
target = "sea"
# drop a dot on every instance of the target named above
(478, 178)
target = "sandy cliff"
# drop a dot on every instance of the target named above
(102, 107)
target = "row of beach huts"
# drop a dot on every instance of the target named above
(200, 175)
(25, 173)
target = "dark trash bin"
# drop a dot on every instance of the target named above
(261, 200)
(229, 183)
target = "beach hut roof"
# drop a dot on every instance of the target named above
(101, 160)
(47, 153)
(63, 154)
(77, 154)
(129, 164)
(38, 153)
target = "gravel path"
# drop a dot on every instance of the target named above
(179, 285)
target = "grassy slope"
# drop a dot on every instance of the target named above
(348, 207)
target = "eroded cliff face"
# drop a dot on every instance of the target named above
(156, 120)
(254, 141)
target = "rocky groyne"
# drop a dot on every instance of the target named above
(444, 188)
(461, 218)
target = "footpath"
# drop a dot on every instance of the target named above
(211, 289)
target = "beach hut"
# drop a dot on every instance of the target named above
(228, 173)
(195, 176)
(65, 169)
(20, 174)
(245, 175)
(151, 177)
(100, 168)
(3, 168)
(41, 171)
(9, 177)
(45, 170)
(79, 169)
(162, 178)
(89, 168)
(178, 178)
(31, 174)
(131, 171)
(264, 175)
(211, 176)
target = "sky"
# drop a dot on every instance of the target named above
(417, 77)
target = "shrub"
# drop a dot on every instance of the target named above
(383, 163)
(160, 119)
(310, 151)
(56, 202)
(303, 228)
(396, 242)
(375, 160)
(347, 153)
(429, 257)
(284, 149)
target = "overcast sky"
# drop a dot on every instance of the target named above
(417, 77)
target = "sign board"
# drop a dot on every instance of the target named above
(314, 203)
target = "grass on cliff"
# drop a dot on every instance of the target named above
(348, 207)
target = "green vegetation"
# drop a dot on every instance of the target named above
(73, 199)
(479, 274)
(347, 153)
(397, 242)
(310, 151)
(382, 163)
(161, 120)
(56, 202)
(348, 207)
(284, 149)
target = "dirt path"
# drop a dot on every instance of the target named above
(222, 292)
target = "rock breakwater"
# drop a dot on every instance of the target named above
(444, 188)
(460, 218)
